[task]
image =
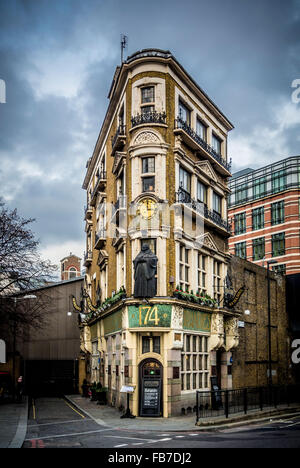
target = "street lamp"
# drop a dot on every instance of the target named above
(28, 296)
(269, 262)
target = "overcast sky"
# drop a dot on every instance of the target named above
(57, 58)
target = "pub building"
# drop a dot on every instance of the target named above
(155, 314)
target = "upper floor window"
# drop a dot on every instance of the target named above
(279, 269)
(241, 193)
(201, 129)
(278, 244)
(202, 269)
(217, 280)
(121, 117)
(72, 272)
(148, 94)
(216, 144)
(148, 184)
(277, 213)
(184, 267)
(258, 218)
(241, 250)
(240, 223)
(148, 165)
(278, 181)
(184, 113)
(258, 248)
(201, 192)
(217, 203)
(147, 109)
(259, 187)
(185, 180)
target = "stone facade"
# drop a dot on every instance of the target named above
(158, 174)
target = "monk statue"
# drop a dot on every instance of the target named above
(145, 267)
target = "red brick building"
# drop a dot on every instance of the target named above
(70, 267)
(264, 211)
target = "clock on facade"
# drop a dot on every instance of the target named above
(147, 208)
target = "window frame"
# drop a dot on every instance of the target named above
(277, 213)
(195, 363)
(256, 245)
(182, 105)
(240, 223)
(277, 239)
(184, 266)
(147, 100)
(239, 248)
(258, 218)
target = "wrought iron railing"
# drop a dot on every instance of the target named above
(182, 196)
(121, 202)
(121, 131)
(100, 235)
(149, 117)
(225, 402)
(86, 209)
(179, 123)
(101, 177)
(88, 256)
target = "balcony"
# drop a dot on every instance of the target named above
(193, 140)
(99, 187)
(184, 197)
(149, 118)
(88, 257)
(119, 139)
(121, 204)
(100, 239)
(88, 211)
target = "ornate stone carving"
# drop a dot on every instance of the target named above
(144, 138)
(206, 168)
(177, 317)
(102, 259)
(118, 158)
(232, 333)
(217, 331)
(178, 141)
(206, 240)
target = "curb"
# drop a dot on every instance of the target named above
(20, 434)
(250, 421)
(210, 427)
(100, 422)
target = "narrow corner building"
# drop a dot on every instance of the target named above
(157, 178)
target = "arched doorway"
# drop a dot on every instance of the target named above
(151, 383)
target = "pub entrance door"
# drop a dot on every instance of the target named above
(151, 379)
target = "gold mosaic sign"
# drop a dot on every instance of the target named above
(158, 315)
(196, 320)
(113, 322)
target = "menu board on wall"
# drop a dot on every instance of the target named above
(151, 394)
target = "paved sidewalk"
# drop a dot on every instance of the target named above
(109, 416)
(13, 423)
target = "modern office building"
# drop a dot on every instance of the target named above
(157, 178)
(265, 217)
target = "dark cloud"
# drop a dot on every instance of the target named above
(58, 58)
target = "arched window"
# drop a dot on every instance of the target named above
(72, 272)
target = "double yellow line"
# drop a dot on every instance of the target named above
(70, 406)
(33, 409)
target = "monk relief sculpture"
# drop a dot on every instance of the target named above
(145, 268)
